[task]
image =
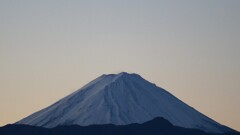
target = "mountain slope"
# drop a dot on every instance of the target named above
(121, 99)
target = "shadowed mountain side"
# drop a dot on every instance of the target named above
(157, 126)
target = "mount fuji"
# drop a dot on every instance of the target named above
(121, 99)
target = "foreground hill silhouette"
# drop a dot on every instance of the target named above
(157, 126)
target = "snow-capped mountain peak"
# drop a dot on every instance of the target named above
(121, 99)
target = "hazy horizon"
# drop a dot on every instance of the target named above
(48, 49)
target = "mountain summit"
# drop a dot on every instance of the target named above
(121, 99)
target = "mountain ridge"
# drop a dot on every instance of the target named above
(121, 99)
(156, 126)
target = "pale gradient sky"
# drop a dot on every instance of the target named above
(50, 48)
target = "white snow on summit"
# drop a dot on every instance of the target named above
(121, 99)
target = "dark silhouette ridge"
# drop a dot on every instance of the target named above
(157, 126)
